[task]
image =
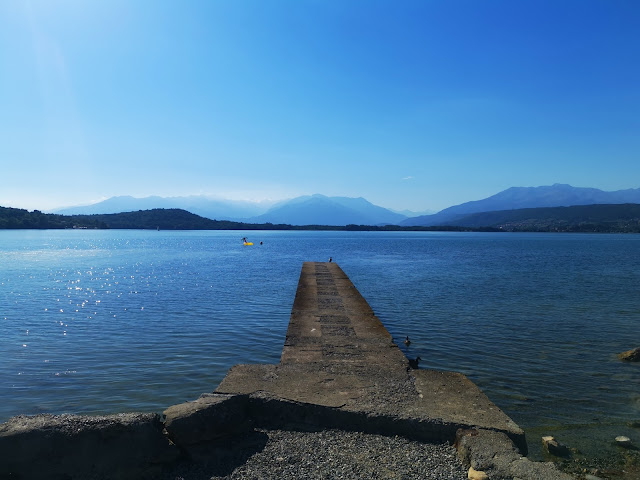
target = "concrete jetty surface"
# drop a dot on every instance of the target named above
(337, 354)
(340, 369)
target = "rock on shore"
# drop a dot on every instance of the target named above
(630, 355)
(554, 447)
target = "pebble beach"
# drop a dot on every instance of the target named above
(327, 454)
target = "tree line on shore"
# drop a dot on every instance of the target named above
(162, 219)
(589, 218)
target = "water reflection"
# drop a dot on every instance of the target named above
(148, 319)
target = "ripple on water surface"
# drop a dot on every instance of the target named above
(129, 320)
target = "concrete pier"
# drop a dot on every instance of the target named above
(338, 355)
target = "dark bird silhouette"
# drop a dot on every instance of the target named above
(407, 342)
(414, 363)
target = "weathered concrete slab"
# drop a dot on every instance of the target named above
(454, 398)
(123, 446)
(332, 323)
(207, 419)
(337, 354)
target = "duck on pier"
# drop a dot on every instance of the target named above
(414, 363)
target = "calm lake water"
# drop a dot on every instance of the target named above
(111, 321)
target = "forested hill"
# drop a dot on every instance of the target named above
(580, 218)
(584, 218)
(164, 219)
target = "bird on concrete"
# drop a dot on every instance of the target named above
(407, 342)
(414, 363)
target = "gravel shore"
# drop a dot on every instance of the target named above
(328, 454)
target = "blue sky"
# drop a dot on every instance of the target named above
(409, 104)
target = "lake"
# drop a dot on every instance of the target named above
(111, 321)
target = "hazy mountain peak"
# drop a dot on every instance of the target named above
(319, 209)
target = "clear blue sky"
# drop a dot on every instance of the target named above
(410, 104)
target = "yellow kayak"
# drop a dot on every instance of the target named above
(247, 243)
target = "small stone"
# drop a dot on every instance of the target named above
(630, 355)
(588, 476)
(554, 447)
(623, 441)
(477, 474)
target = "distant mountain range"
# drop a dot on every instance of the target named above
(212, 208)
(340, 211)
(557, 195)
(305, 210)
